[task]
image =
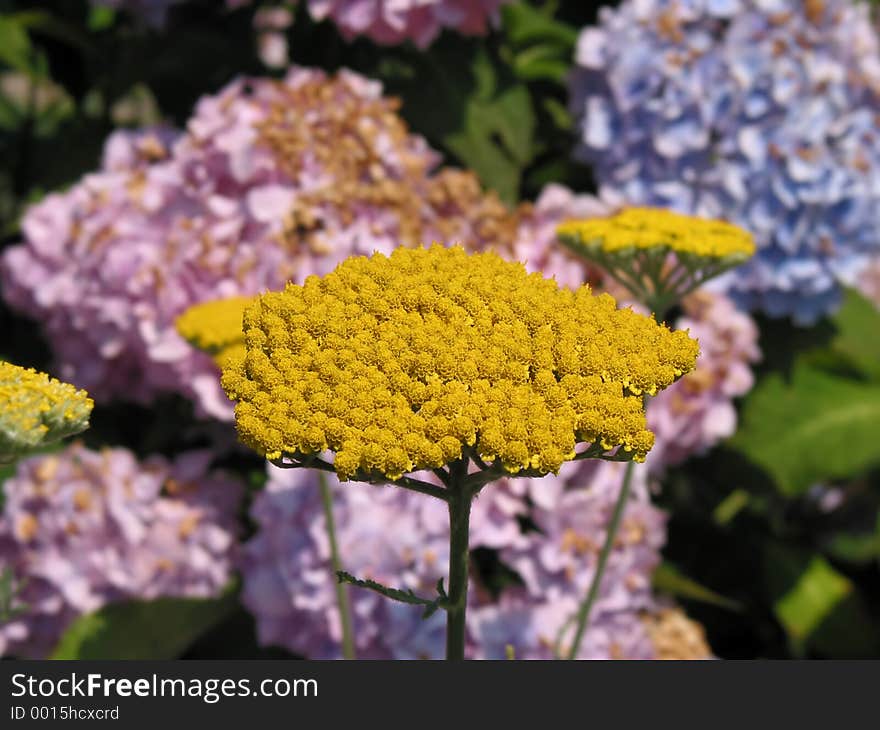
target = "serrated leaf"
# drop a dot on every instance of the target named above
(160, 629)
(814, 427)
(669, 579)
(432, 605)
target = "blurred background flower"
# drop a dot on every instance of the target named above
(763, 113)
(81, 529)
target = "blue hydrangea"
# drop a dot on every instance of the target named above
(763, 112)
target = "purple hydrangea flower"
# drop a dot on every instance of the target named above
(759, 111)
(81, 529)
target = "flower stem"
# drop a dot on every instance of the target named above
(459, 521)
(583, 615)
(348, 651)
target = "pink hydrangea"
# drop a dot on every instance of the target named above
(555, 558)
(394, 21)
(272, 181)
(81, 529)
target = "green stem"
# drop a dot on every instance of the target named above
(460, 500)
(348, 650)
(583, 615)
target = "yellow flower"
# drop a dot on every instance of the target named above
(649, 228)
(215, 327)
(402, 363)
(657, 255)
(36, 409)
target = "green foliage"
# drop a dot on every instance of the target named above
(160, 629)
(541, 46)
(15, 46)
(464, 99)
(812, 427)
(819, 417)
(814, 601)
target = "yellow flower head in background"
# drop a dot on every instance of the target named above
(651, 228)
(406, 362)
(658, 255)
(36, 409)
(215, 327)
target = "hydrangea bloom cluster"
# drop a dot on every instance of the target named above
(399, 363)
(557, 560)
(394, 21)
(289, 582)
(759, 111)
(36, 409)
(82, 528)
(388, 22)
(272, 181)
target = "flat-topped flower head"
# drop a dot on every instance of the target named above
(635, 229)
(215, 327)
(36, 409)
(408, 362)
(659, 255)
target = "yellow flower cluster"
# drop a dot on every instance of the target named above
(36, 409)
(215, 327)
(398, 363)
(635, 229)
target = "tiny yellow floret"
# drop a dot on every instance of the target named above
(400, 363)
(36, 409)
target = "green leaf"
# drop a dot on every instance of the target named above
(160, 629)
(858, 333)
(15, 46)
(812, 598)
(820, 609)
(524, 23)
(463, 99)
(815, 427)
(669, 579)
